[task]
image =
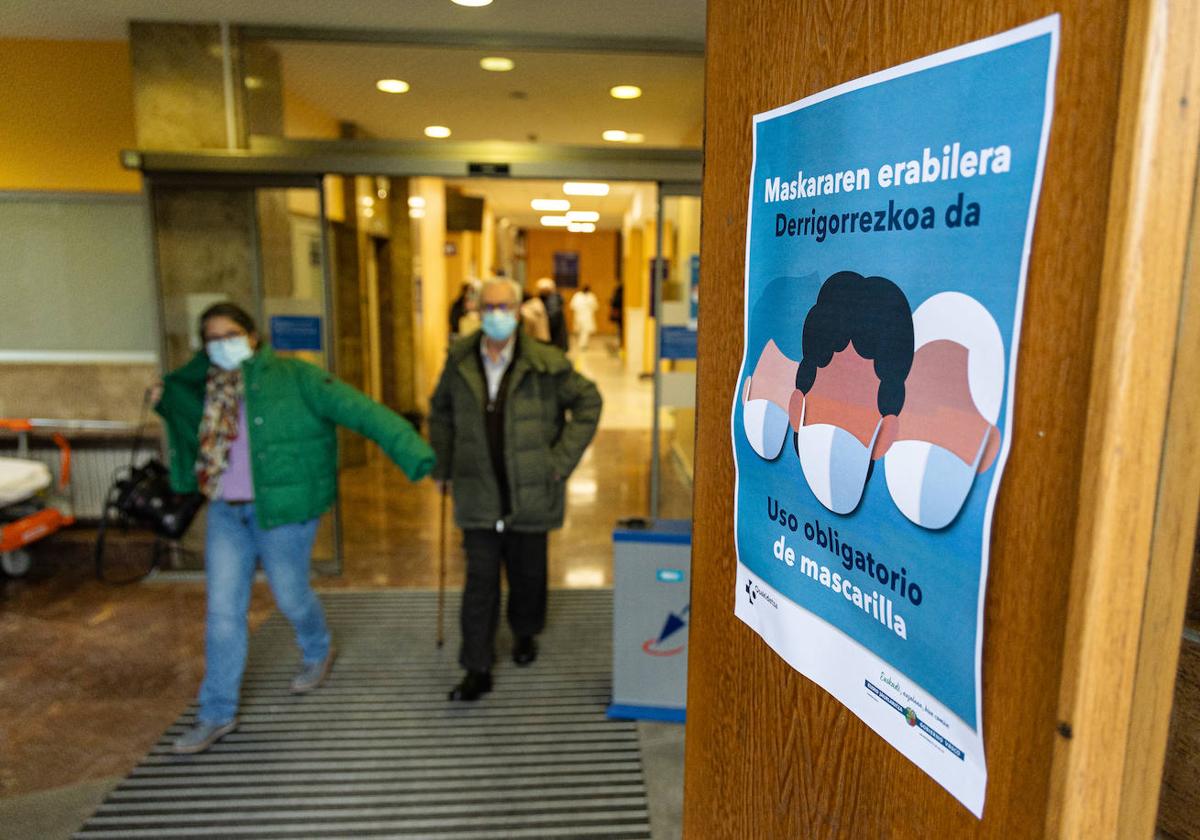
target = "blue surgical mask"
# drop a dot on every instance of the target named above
(765, 424)
(929, 483)
(834, 462)
(499, 325)
(229, 353)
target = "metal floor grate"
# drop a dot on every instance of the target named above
(378, 751)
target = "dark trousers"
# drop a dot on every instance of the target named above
(524, 558)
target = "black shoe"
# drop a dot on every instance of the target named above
(472, 686)
(525, 650)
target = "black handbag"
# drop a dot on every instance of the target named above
(141, 495)
(145, 496)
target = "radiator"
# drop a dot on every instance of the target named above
(94, 466)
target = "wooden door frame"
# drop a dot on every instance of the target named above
(1097, 521)
(1140, 482)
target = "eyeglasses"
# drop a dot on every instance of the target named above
(498, 307)
(223, 336)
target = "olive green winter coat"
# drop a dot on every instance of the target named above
(550, 417)
(293, 410)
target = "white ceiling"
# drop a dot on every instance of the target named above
(106, 19)
(510, 199)
(551, 97)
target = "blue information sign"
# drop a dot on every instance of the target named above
(296, 332)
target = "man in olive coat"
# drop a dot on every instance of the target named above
(509, 420)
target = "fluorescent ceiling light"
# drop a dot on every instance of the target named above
(473, 3)
(496, 64)
(550, 205)
(392, 85)
(585, 188)
(634, 137)
(416, 201)
(555, 221)
(416, 212)
(625, 92)
(615, 135)
(583, 216)
(437, 131)
(581, 227)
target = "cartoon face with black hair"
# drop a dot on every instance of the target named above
(858, 350)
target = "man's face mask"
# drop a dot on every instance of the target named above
(229, 353)
(499, 324)
(835, 463)
(929, 483)
(765, 424)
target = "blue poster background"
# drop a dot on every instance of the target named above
(981, 101)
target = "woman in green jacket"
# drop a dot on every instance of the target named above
(257, 434)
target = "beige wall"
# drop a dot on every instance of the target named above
(65, 116)
(433, 330)
(597, 263)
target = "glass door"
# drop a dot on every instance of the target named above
(259, 243)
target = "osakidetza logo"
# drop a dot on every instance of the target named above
(754, 592)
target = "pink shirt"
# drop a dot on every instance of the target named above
(237, 484)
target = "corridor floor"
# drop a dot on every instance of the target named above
(91, 675)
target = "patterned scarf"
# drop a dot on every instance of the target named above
(223, 392)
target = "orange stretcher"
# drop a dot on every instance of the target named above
(30, 508)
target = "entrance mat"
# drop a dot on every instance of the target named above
(378, 750)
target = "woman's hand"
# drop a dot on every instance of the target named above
(154, 392)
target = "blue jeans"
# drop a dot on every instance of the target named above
(235, 543)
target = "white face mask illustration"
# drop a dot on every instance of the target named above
(765, 424)
(929, 483)
(834, 462)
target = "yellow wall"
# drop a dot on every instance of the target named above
(65, 115)
(304, 120)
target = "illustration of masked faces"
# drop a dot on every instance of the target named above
(765, 397)
(838, 425)
(947, 430)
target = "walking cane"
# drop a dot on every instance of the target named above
(441, 595)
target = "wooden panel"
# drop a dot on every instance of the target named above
(1141, 479)
(769, 753)
(597, 265)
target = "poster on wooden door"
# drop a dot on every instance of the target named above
(889, 231)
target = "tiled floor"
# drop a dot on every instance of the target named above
(90, 674)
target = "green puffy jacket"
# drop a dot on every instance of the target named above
(542, 444)
(293, 410)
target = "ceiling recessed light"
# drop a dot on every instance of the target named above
(437, 131)
(253, 82)
(615, 135)
(496, 64)
(392, 85)
(473, 3)
(416, 201)
(583, 216)
(550, 205)
(555, 221)
(625, 92)
(585, 188)
(581, 227)
(416, 212)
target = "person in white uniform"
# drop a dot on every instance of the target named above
(583, 308)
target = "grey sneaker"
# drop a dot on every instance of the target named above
(312, 675)
(202, 736)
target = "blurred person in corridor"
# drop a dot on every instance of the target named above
(256, 434)
(583, 308)
(510, 419)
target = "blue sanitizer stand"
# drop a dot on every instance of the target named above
(652, 579)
